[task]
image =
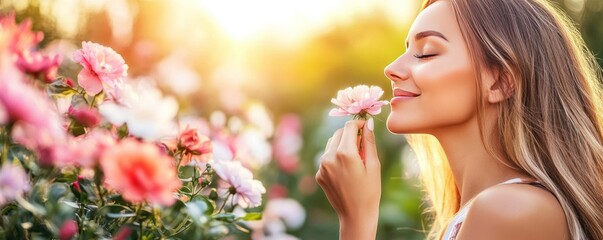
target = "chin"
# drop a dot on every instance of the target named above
(403, 124)
(396, 125)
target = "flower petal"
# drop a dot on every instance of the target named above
(89, 82)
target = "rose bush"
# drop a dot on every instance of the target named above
(106, 156)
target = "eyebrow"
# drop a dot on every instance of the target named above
(425, 34)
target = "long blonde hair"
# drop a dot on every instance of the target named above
(549, 128)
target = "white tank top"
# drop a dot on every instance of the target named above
(455, 225)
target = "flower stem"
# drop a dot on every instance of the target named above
(195, 181)
(5, 138)
(5, 151)
(100, 194)
(224, 203)
(139, 220)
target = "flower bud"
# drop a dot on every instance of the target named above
(68, 230)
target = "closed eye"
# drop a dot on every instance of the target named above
(423, 56)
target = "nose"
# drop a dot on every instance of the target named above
(396, 71)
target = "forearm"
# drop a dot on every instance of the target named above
(359, 228)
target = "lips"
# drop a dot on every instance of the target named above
(402, 93)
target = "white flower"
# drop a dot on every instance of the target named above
(247, 191)
(175, 73)
(148, 114)
(253, 148)
(258, 115)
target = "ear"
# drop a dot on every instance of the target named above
(499, 86)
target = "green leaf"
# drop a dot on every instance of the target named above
(253, 216)
(197, 210)
(225, 217)
(186, 172)
(121, 215)
(76, 129)
(78, 100)
(59, 88)
(210, 204)
(242, 227)
(218, 232)
(57, 191)
(123, 131)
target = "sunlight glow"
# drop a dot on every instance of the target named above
(294, 20)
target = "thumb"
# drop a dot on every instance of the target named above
(368, 143)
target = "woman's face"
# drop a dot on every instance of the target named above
(433, 82)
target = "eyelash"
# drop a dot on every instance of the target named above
(419, 56)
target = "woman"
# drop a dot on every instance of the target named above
(502, 102)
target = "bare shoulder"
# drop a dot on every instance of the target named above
(515, 211)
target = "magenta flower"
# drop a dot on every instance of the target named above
(13, 183)
(358, 101)
(246, 190)
(102, 67)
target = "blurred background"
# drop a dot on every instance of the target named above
(284, 58)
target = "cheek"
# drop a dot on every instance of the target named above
(448, 98)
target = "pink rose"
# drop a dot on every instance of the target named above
(140, 173)
(194, 143)
(360, 100)
(102, 67)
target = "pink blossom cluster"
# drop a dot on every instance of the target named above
(360, 100)
(19, 42)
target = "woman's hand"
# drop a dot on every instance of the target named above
(350, 176)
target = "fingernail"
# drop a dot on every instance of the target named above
(370, 124)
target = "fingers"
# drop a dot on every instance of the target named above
(368, 144)
(333, 143)
(348, 146)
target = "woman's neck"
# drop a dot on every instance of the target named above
(473, 167)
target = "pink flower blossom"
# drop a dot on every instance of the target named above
(359, 100)
(25, 103)
(288, 142)
(21, 42)
(194, 143)
(35, 63)
(140, 173)
(37, 126)
(20, 37)
(91, 146)
(13, 183)
(89, 117)
(102, 67)
(123, 233)
(246, 190)
(68, 230)
(3, 114)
